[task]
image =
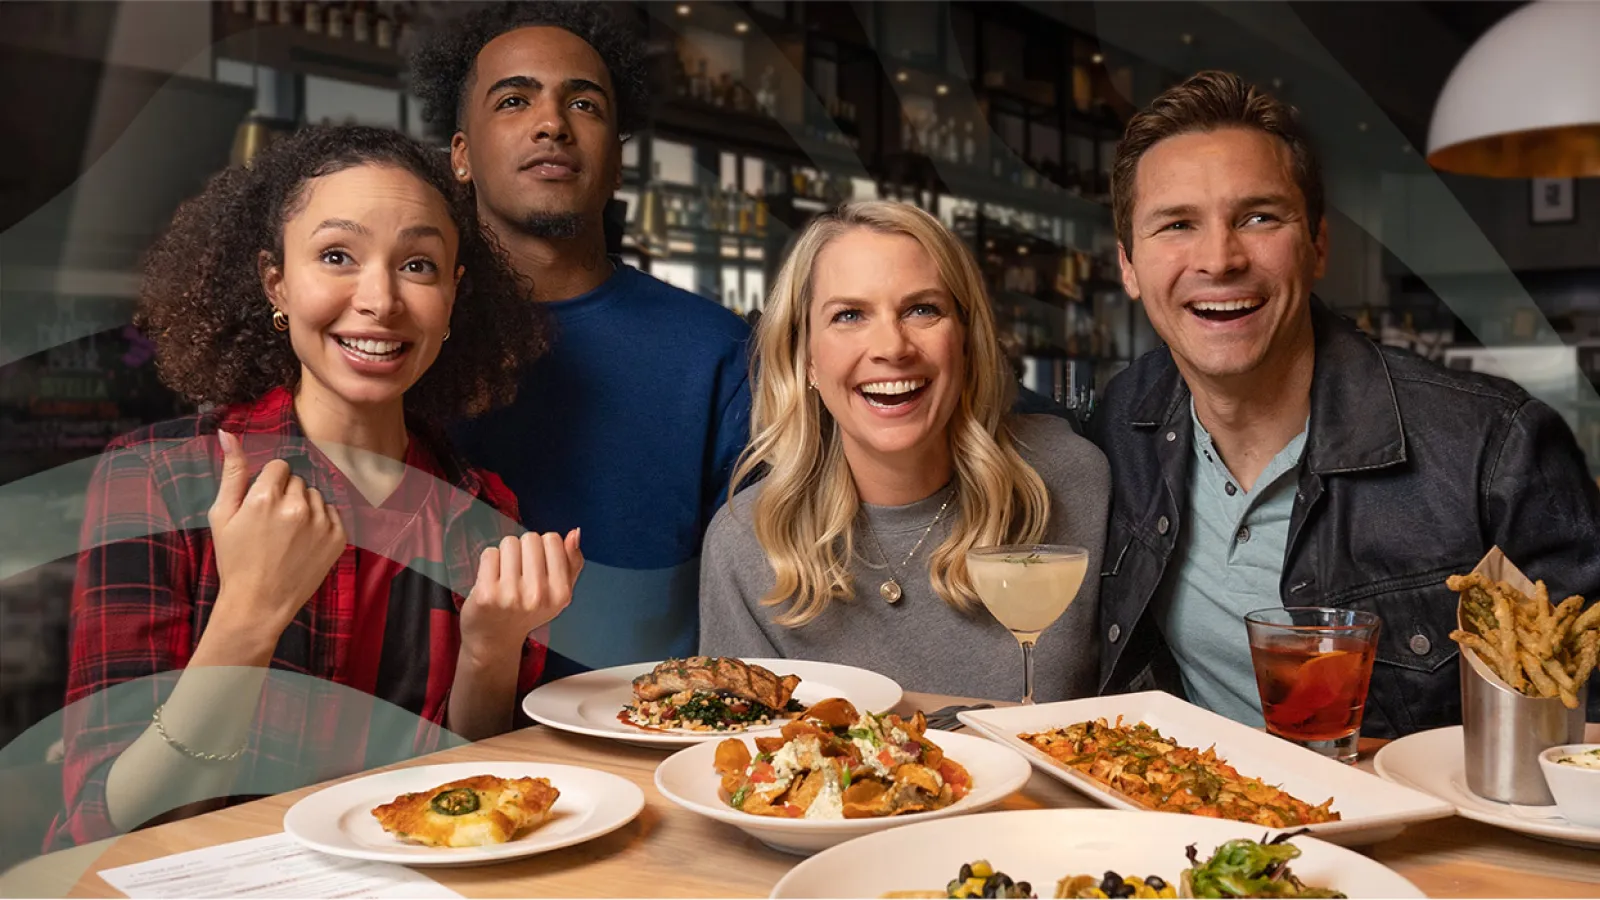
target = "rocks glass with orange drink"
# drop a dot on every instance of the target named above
(1313, 666)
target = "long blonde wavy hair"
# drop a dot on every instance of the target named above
(806, 512)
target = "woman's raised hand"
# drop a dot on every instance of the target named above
(522, 584)
(275, 541)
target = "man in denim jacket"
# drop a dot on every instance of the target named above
(1271, 454)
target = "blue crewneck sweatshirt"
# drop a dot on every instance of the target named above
(627, 428)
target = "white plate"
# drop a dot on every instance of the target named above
(688, 779)
(1370, 809)
(588, 703)
(338, 820)
(1040, 846)
(1434, 761)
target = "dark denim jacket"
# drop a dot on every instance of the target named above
(1411, 473)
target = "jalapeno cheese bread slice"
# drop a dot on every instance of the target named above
(471, 812)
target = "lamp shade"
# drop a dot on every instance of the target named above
(1525, 100)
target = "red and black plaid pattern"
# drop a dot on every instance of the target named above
(147, 580)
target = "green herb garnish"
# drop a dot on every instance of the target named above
(865, 734)
(713, 710)
(457, 802)
(1244, 868)
(737, 801)
(1032, 559)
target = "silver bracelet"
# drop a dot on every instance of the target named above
(188, 751)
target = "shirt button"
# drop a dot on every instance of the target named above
(1420, 645)
(1162, 525)
(1172, 435)
(1114, 632)
(1244, 534)
(1230, 489)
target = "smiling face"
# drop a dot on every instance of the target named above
(368, 280)
(1223, 257)
(886, 348)
(539, 133)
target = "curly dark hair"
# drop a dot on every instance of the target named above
(203, 304)
(443, 62)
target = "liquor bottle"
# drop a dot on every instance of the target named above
(700, 84)
(286, 12)
(335, 20)
(361, 21)
(313, 16)
(240, 7)
(746, 213)
(402, 26)
(264, 12)
(767, 94)
(383, 28)
(761, 213)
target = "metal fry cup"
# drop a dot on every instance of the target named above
(1506, 730)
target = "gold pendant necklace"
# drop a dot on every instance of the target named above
(890, 589)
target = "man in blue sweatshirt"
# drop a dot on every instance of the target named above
(629, 426)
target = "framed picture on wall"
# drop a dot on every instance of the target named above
(1555, 200)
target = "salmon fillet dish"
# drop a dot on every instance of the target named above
(709, 693)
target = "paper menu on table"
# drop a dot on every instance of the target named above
(271, 866)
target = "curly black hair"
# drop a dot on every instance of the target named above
(443, 62)
(202, 302)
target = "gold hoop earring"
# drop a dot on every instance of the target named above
(446, 335)
(280, 320)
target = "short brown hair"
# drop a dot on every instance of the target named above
(1205, 102)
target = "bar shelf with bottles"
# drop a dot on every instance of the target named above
(351, 40)
(702, 220)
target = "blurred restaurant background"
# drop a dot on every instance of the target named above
(1000, 117)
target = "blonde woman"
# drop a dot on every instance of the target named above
(881, 416)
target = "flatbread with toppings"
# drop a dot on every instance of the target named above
(470, 812)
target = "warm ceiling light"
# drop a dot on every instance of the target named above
(683, 9)
(902, 76)
(1098, 58)
(1522, 103)
(741, 27)
(1186, 38)
(942, 89)
(1361, 126)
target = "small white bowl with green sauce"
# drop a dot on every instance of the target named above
(1573, 773)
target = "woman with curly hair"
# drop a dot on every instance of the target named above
(881, 417)
(332, 307)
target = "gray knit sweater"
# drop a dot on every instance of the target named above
(921, 642)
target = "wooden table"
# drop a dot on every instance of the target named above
(670, 852)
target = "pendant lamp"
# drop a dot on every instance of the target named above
(1525, 100)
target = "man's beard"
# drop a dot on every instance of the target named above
(555, 226)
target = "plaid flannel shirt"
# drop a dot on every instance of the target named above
(147, 580)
